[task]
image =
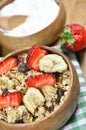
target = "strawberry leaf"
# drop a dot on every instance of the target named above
(67, 36)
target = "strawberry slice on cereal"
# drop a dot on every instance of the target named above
(7, 65)
(34, 55)
(41, 80)
(10, 99)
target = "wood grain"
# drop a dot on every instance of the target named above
(4, 2)
(76, 13)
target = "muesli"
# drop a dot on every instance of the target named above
(32, 85)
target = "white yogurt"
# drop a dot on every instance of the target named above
(40, 13)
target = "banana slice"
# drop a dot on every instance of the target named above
(52, 63)
(33, 99)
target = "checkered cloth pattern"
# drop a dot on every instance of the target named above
(78, 119)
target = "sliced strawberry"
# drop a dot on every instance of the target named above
(4, 101)
(15, 98)
(10, 99)
(41, 80)
(34, 55)
(7, 65)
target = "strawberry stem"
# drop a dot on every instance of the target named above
(67, 36)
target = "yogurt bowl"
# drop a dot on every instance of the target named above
(50, 95)
(45, 36)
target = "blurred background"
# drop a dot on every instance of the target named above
(76, 13)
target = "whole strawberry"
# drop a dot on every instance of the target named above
(74, 37)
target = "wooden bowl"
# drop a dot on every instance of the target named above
(47, 36)
(63, 112)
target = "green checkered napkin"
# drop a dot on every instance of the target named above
(78, 119)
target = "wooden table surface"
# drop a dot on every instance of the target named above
(76, 13)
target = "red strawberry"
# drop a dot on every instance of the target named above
(4, 101)
(34, 55)
(10, 99)
(41, 80)
(15, 98)
(74, 37)
(7, 65)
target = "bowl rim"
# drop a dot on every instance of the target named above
(58, 2)
(59, 108)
